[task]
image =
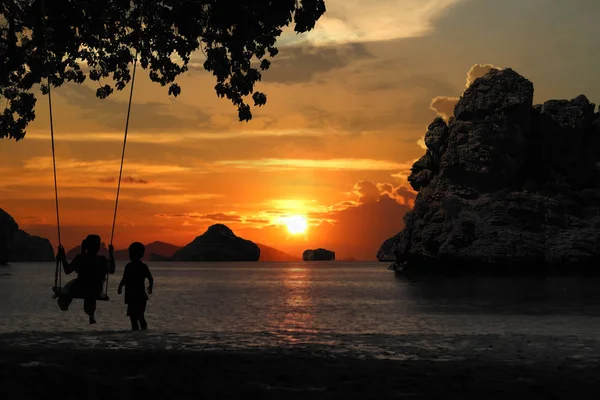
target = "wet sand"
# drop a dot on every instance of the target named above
(483, 367)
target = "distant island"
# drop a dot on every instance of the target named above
(218, 243)
(17, 245)
(318, 255)
(505, 185)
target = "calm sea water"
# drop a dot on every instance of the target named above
(274, 304)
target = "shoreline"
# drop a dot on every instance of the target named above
(484, 269)
(491, 367)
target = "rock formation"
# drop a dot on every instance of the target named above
(318, 255)
(386, 251)
(19, 246)
(506, 184)
(218, 243)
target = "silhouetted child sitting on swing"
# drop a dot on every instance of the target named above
(91, 270)
(134, 277)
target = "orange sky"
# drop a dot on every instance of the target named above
(347, 107)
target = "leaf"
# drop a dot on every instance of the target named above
(260, 99)
(174, 90)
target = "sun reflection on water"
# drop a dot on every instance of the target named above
(298, 306)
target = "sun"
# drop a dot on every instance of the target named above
(296, 224)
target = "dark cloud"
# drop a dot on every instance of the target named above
(150, 116)
(404, 195)
(367, 192)
(357, 121)
(299, 64)
(359, 231)
(125, 179)
(370, 192)
(221, 217)
(426, 82)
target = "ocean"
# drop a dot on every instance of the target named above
(341, 307)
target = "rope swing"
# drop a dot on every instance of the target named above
(58, 271)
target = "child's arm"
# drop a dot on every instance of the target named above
(150, 279)
(68, 267)
(122, 283)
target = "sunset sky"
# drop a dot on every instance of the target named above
(348, 105)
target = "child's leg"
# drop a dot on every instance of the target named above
(143, 323)
(89, 306)
(141, 318)
(134, 323)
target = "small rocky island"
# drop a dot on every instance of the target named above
(318, 255)
(505, 185)
(218, 243)
(19, 246)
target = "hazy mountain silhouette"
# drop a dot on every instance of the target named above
(162, 249)
(268, 253)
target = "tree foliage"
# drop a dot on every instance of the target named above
(75, 40)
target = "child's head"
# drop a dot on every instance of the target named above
(83, 246)
(92, 244)
(136, 251)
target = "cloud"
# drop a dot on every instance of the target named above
(257, 221)
(100, 166)
(300, 64)
(170, 199)
(370, 192)
(125, 179)
(444, 105)
(367, 192)
(352, 21)
(222, 217)
(359, 231)
(147, 116)
(169, 137)
(219, 217)
(404, 195)
(477, 71)
(330, 164)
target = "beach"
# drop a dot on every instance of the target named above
(483, 366)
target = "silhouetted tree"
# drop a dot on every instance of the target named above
(236, 36)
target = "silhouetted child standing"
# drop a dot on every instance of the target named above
(134, 276)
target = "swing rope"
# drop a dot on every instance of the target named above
(112, 233)
(58, 271)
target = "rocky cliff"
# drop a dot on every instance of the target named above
(19, 246)
(218, 243)
(506, 184)
(318, 255)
